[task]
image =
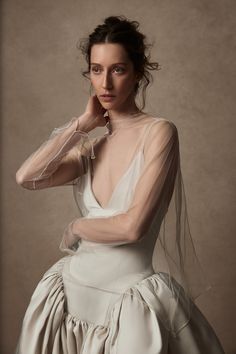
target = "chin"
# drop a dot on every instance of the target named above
(108, 104)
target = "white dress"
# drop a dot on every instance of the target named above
(106, 298)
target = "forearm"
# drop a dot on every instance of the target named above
(83, 228)
(104, 230)
(46, 159)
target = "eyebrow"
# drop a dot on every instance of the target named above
(111, 65)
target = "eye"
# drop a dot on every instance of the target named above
(119, 68)
(95, 69)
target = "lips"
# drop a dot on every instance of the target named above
(107, 96)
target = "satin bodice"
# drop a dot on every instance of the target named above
(132, 261)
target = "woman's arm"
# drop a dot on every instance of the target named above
(153, 190)
(58, 160)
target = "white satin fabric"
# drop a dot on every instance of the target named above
(106, 298)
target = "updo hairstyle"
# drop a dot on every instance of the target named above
(118, 29)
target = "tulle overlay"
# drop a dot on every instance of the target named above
(131, 272)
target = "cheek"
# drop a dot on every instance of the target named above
(95, 80)
(127, 86)
(127, 82)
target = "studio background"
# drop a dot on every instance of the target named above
(43, 88)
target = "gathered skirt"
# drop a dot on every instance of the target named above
(64, 317)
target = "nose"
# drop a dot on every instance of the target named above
(107, 81)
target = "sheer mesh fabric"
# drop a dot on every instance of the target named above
(62, 148)
(157, 213)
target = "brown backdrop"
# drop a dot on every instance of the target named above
(43, 88)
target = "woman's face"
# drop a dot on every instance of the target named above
(112, 73)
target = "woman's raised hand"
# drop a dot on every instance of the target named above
(93, 116)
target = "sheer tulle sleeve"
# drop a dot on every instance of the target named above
(153, 192)
(64, 150)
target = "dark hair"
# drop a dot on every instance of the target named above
(118, 29)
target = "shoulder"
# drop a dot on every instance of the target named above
(161, 126)
(161, 134)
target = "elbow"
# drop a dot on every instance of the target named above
(134, 236)
(133, 232)
(21, 181)
(19, 178)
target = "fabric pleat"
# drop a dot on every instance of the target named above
(135, 325)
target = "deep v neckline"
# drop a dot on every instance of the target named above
(140, 152)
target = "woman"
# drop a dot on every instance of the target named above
(107, 295)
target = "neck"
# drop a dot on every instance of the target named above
(121, 117)
(126, 109)
(123, 121)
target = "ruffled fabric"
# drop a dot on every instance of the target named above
(137, 323)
